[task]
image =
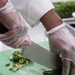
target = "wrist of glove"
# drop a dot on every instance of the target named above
(6, 8)
(63, 42)
(17, 35)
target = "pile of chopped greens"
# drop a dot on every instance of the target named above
(18, 61)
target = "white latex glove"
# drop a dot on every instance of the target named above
(17, 35)
(62, 42)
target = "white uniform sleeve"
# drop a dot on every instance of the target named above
(35, 9)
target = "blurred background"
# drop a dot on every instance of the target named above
(63, 7)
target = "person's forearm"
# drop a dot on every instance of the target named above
(3, 2)
(51, 20)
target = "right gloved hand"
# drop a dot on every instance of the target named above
(63, 42)
(17, 35)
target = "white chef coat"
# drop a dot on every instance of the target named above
(33, 10)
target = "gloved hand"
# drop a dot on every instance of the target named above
(17, 35)
(62, 42)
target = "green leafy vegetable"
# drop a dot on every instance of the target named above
(7, 64)
(65, 9)
(18, 61)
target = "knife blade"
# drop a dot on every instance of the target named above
(40, 55)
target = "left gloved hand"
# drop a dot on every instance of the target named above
(17, 35)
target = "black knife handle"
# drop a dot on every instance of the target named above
(3, 29)
(57, 71)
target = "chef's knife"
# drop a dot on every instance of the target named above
(40, 55)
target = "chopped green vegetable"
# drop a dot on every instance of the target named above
(11, 58)
(8, 64)
(18, 61)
